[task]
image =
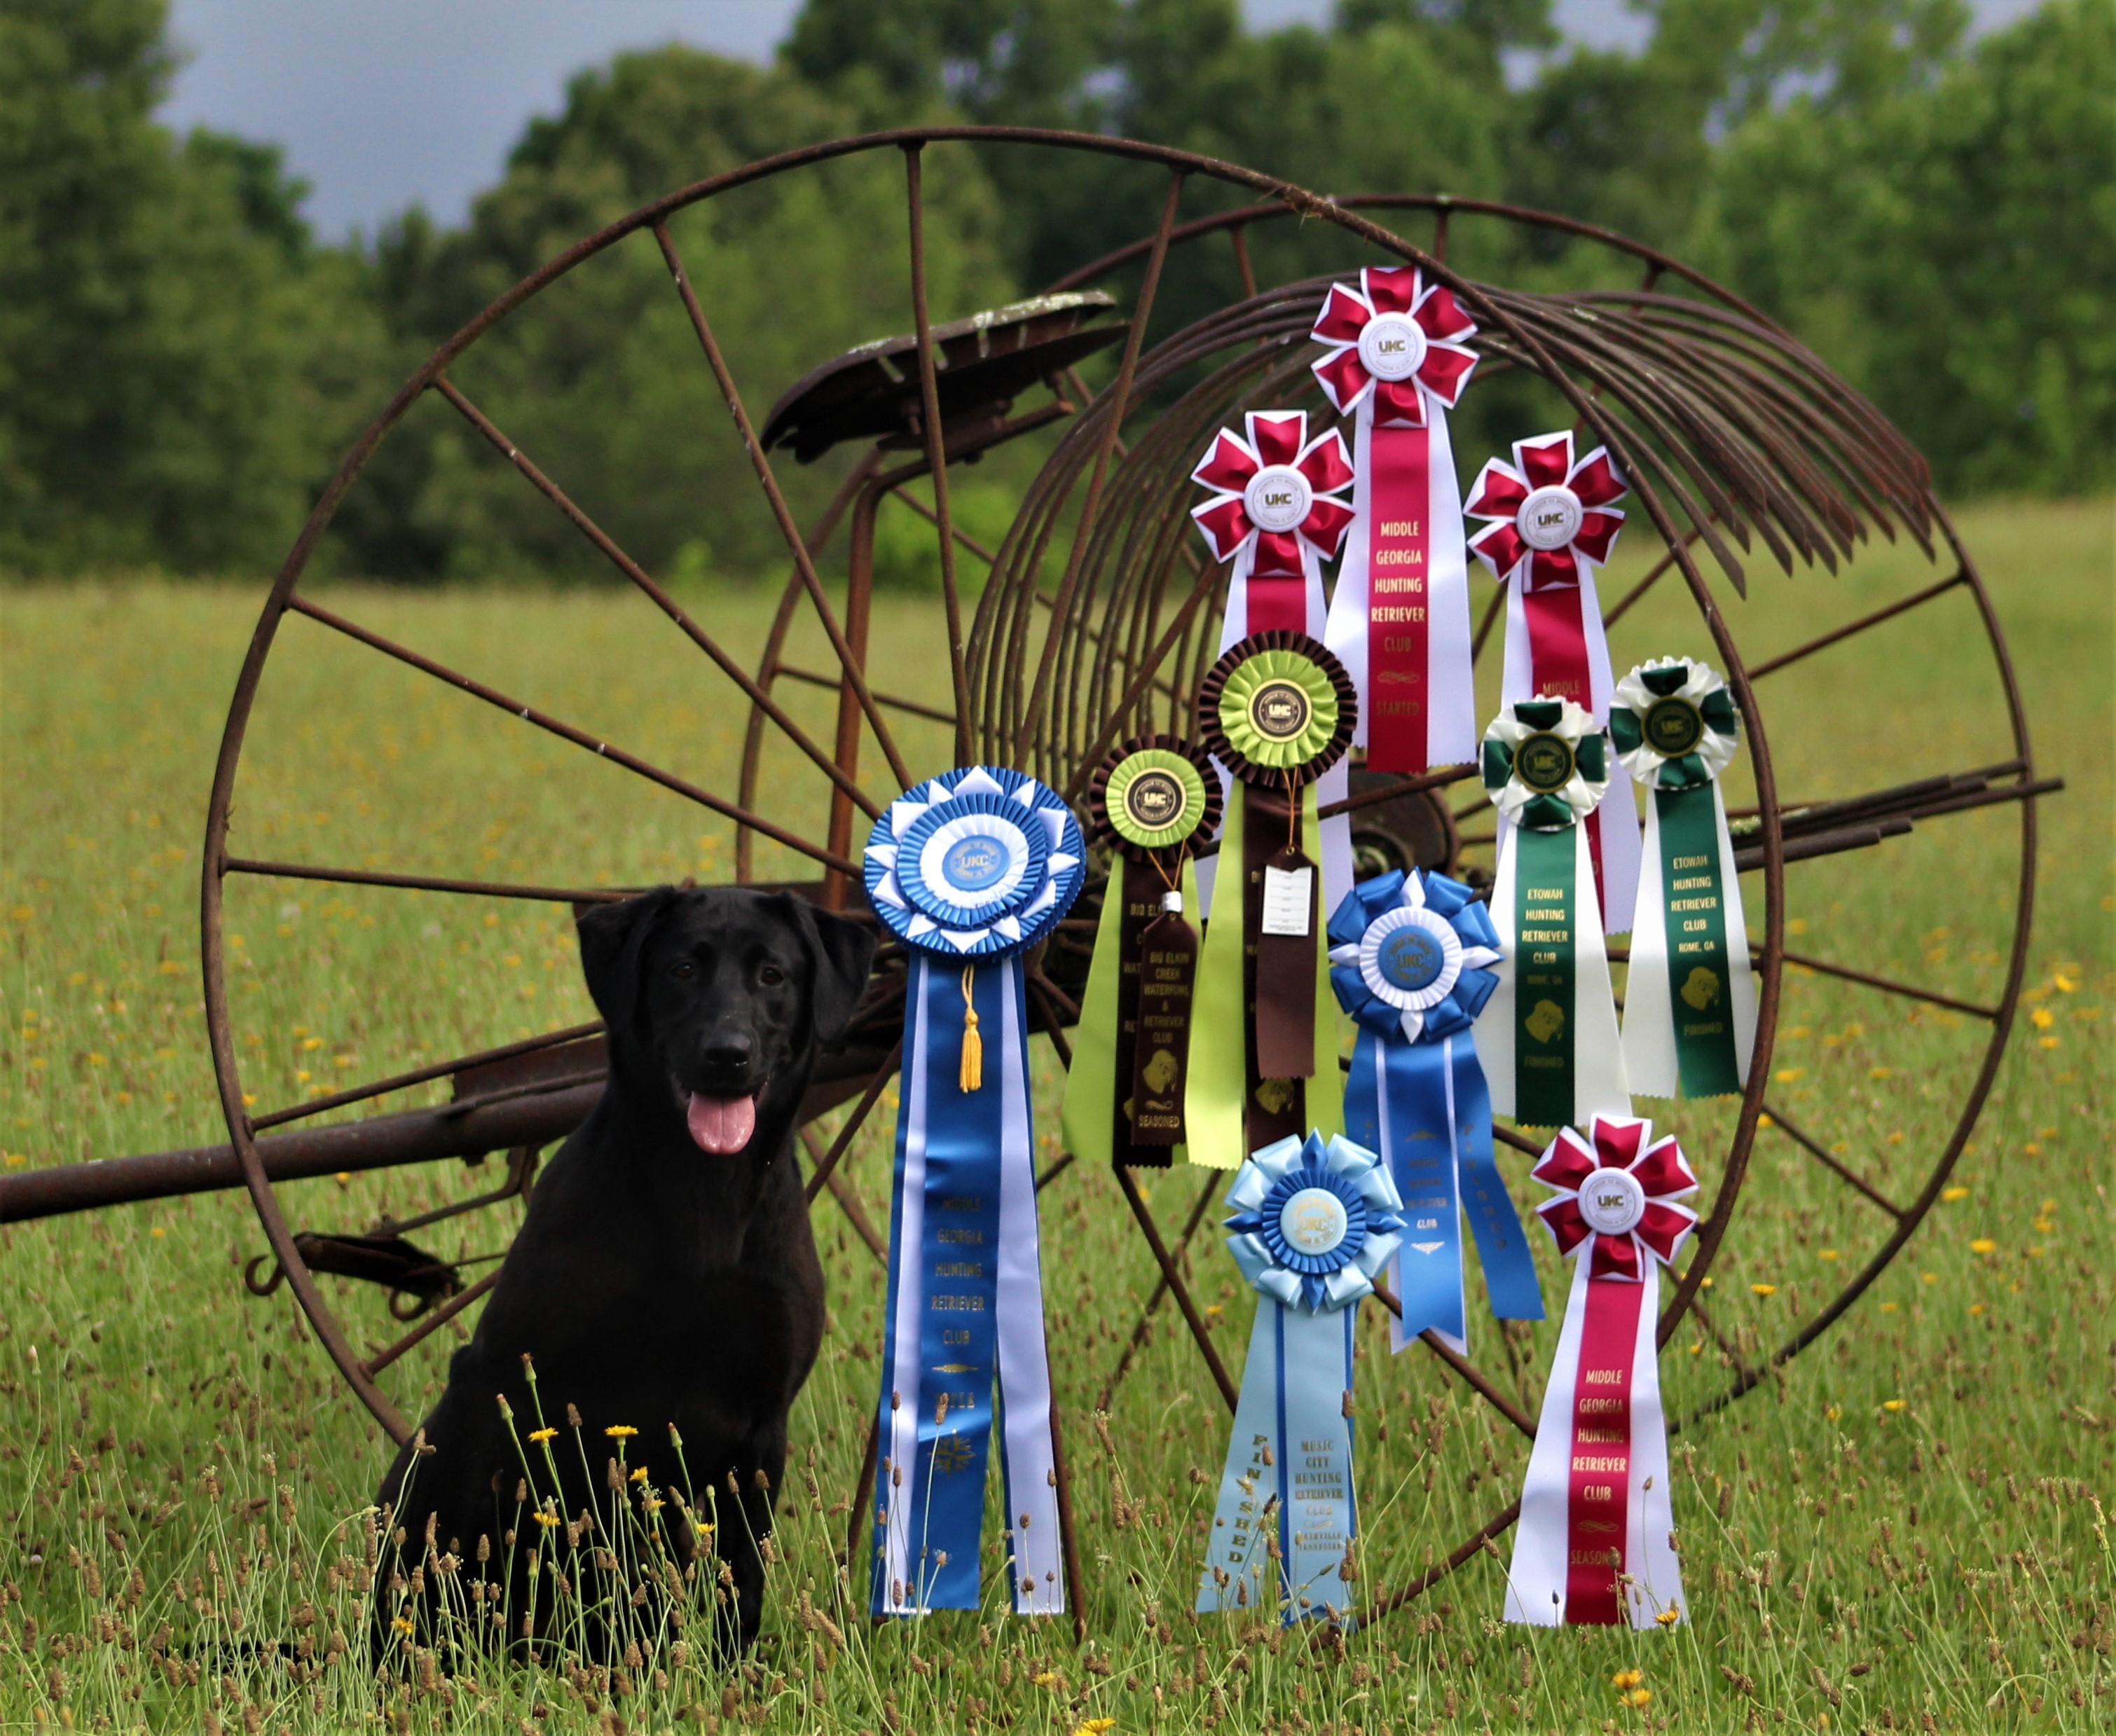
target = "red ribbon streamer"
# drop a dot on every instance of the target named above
(1598, 1509)
(1398, 626)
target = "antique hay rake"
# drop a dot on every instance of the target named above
(1096, 621)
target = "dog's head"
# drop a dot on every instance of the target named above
(719, 998)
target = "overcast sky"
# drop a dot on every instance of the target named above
(381, 103)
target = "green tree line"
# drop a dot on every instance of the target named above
(182, 363)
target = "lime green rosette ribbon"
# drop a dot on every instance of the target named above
(1548, 1037)
(1149, 801)
(1690, 1008)
(1277, 711)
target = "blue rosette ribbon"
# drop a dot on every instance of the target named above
(1410, 957)
(970, 869)
(1314, 1221)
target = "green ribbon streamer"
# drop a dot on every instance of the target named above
(1699, 975)
(1088, 1118)
(1544, 932)
(1216, 1094)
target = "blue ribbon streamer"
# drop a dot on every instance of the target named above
(941, 1496)
(1425, 1104)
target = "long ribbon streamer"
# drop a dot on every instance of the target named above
(964, 1311)
(1548, 1036)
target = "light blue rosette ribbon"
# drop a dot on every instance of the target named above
(1410, 957)
(1312, 1223)
(970, 868)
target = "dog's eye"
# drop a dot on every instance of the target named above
(770, 975)
(683, 972)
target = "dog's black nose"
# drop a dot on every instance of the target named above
(729, 1054)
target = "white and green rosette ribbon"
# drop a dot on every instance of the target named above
(1689, 1006)
(1547, 1036)
(970, 869)
(1314, 1221)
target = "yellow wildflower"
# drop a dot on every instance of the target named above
(543, 1433)
(1787, 1075)
(1827, 1253)
(1983, 1245)
(620, 1431)
(546, 1518)
(1955, 1192)
(2042, 1018)
(1893, 1405)
(1638, 1697)
(1669, 1617)
(1626, 1678)
(1094, 1727)
(1045, 1678)
(401, 1625)
(639, 1475)
(1763, 1289)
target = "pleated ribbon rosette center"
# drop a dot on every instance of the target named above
(970, 869)
(1313, 1222)
(1595, 1543)
(1412, 959)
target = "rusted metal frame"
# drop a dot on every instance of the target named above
(1118, 404)
(1646, 584)
(963, 537)
(1107, 738)
(1462, 1554)
(1442, 205)
(1894, 799)
(1214, 1179)
(910, 707)
(1491, 618)
(796, 545)
(1171, 1275)
(566, 731)
(838, 889)
(607, 547)
(849, 1201)
(1962, 803)
(826, 1165)
(1743, 1368)
(1410, 784)
(1242, 265)
(1809, 846)
(433, 1323)
(1771, 666)
(1994, 1049)
(1888, 986)
(1867, 462)
(1904, 476)
(423, 1075)
(775, 645)
(1843, 1172)
(427, 883)
(1045, 993)
(1520, 1142)
(522, 1163)
(1467, 1371)
(1059, 1165)
(936, 460)
(1787, 425)
(385, 1141)
(1792, 487)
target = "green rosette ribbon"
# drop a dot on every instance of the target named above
(1690, 1008)
(1148, 802)
(1548, 1037)
(1277, 710)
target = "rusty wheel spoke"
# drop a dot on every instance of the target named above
(1822, 1154)
(1837, 635)
(566, 732)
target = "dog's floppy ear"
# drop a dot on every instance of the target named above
(612, 937)
(844, 953)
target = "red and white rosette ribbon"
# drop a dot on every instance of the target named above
(1551, 519)
(1596, 1540)
(1277, 511)
(1399, 616)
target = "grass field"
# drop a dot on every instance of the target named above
(1905, 1530)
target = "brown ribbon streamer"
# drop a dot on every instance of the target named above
(1281, 973)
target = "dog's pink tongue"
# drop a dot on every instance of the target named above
(721, 1125)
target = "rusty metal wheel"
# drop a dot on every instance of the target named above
(1098, 615)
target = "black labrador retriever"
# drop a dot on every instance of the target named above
(665, 1276)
